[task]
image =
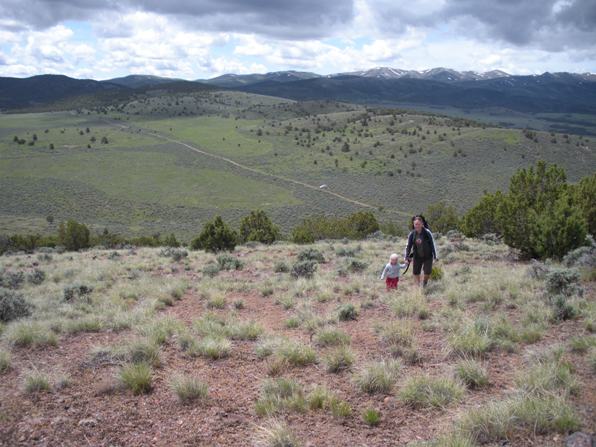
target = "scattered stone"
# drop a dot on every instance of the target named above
(580, 439)
(89, 422)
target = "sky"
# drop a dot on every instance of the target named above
(198, 39)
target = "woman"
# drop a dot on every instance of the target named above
(421, 247)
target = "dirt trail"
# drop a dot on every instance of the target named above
(244, 167)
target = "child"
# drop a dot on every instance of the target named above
(391, 272)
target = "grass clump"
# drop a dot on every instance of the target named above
(296, 354)
(332, 337)
(216, 302)
(397, 333)
(371, 417)
(378, 377)
(500, 420)
(5, 361)
(471, 373)
(244, 330)
(424, 391)
(411, 305)
(275, 434)
(188, 388)
(347, 312)
(31, 334)
(339, 359)
(214, 347)
(582, 344)
(36, 382)
(280, 394)
(548, 376)
(143, 351)
(137, 377)
(470, 340)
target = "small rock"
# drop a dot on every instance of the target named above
(579, 439)
(90, 422)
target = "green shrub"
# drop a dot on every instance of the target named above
(258, 227)
(36, 382)
(137, 377)
(564, 282)
(188, 388)
(355, 265)
(281, 267)
(339, 359)
(424, 391)
(177, 254)
(436, 273)
(304, 269)
(11, 280)
(13, 305)
(228, 262)
(371, 417)
(482, 218)
(311, 254)
(73, 236)
(538, 215)
(378, 377)
(77, 292)
(471, 373)
(347, 312)
(216, 236)
(443, 217)
(211, 270)
(301, 235)
(36, 277)
(562, 309)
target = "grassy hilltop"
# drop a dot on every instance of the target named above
(150, 346)
(129, 167)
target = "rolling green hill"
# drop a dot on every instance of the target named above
(168, 162)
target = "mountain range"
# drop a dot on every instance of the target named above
(549, 92)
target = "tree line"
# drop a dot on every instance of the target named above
(541, 215)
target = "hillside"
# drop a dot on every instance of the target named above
(545, 93)
(147, 347)
(161, 164)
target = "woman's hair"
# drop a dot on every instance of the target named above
(421, 218)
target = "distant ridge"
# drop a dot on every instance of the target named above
(444, 87)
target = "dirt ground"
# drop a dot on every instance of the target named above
(90, 411)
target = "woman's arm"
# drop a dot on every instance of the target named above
(433, 245)
(408, 246)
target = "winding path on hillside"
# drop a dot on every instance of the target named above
(156, 134)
